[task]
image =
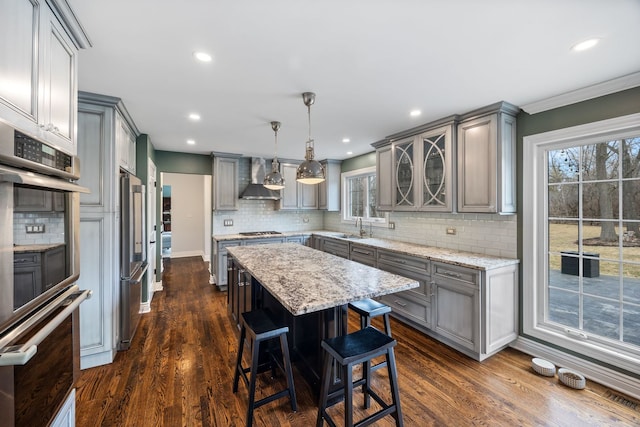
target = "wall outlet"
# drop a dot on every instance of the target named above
(228, 222)
(35, 228)
(392, 225)
(451, 230)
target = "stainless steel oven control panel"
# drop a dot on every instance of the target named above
(23, 151)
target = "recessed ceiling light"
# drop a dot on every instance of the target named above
(346, 140)
(194, 116)
(584, 45)
(349, 153)
(415, 113)
(203, 56)
(191, 142)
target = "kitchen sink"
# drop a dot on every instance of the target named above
(353, 237)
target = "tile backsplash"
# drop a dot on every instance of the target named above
(53, 228)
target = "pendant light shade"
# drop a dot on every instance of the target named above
(310, 171)
(274, 180)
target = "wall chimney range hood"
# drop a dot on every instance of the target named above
(256, 189)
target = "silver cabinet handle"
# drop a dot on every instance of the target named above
(401, 304)
(450, 274)
(20, 355)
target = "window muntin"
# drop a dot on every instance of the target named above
(360, 196)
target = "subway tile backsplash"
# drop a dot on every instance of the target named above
(53, 227)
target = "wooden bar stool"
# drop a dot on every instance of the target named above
(346, 351)
(368, 309)
(261, 327)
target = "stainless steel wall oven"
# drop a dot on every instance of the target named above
(39, 265)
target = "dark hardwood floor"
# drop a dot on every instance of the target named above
(179, 371)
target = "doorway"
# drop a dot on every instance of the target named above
(166, 221)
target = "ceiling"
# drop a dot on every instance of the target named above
(370, 62)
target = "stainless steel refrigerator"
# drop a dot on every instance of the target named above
(133, 257)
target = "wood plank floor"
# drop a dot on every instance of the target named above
(179, 370)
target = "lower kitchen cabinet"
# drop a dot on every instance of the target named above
(475, 310)
(27, 276)
(472, 310)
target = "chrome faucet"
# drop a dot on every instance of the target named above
(362, 230)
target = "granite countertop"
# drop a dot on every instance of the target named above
(224, 237)
(305, 280)
(449, 256)
(18, 249)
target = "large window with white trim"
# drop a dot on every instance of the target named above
(582, 239)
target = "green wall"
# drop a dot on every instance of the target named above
(175, 162)
(593, 110)
(359, 162)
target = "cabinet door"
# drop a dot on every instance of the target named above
(384, 177)
(436, 170)
(31, 200)
(477, 165)
(308, 196)
(404, 177)
(18, 87)
(126, 143)
(58, 88)
(289, 194)
(225, 183)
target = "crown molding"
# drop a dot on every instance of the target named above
(600, 89)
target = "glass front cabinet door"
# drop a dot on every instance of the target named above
(423, 171)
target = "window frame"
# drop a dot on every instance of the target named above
(346, 218)
(534, 226)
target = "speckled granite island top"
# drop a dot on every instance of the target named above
(305, 280)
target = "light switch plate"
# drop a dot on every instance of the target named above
(451, 230)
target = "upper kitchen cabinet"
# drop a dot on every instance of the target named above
(296, 196)
(415, 169)
(126, 144)
(487, 160)
(38, 95)
(225, 181)
(329, 189)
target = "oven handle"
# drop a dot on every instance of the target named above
(20, 355)
(17, 176)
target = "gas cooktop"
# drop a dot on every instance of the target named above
(259, 233)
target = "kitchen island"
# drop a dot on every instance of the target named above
(306, 288)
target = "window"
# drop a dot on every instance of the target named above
(581, 269)
(359, 196)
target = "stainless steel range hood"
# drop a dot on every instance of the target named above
(255, 190)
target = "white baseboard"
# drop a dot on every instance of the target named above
(185, 254)
(598, 373)
(158, 286)
(145, 307)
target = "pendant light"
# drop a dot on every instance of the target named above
(274, 180)
(310, 171)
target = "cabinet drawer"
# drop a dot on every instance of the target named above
(363, 254)
(405, 262)
(413, 309)
(336, 247)
(457, 274)
(26, 259)
(251, 242)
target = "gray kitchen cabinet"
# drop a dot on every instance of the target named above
(475, 311)
(42, 62)
(126, 144)
(302, 239)
(27, 276)
(414, 304)
(363, 254)
(384, 181)
(487, 160)
(329, 189)
(34, 200)
(100, 118)
(220, 257)
(225, 169)
(416, 172)
(296, 196)
(335, 247)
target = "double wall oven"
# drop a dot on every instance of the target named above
(39, 267)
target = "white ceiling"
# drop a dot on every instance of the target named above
(370, 62)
